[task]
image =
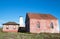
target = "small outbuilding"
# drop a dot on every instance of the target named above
(10, 27)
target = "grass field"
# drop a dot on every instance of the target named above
(12, 35)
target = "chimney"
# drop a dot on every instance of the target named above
(21, 22)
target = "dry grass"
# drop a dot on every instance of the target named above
(12, 35)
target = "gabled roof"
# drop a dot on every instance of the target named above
(10, 23)
(40, 16)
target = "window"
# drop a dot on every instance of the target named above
(38, 24)
(51, 25)
(7, 27)
(14, 27)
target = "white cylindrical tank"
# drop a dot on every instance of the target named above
(21, 22)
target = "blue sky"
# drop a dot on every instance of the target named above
(10, 10)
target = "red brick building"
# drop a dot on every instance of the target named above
(10, 27)
(38, 23)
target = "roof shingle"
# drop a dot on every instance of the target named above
(41, 16)
(10, 23)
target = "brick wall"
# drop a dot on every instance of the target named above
(10, 28)
(44, 26)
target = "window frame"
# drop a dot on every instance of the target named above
(38, 24)
(52, 25)
(14, 27)
(7, 27)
